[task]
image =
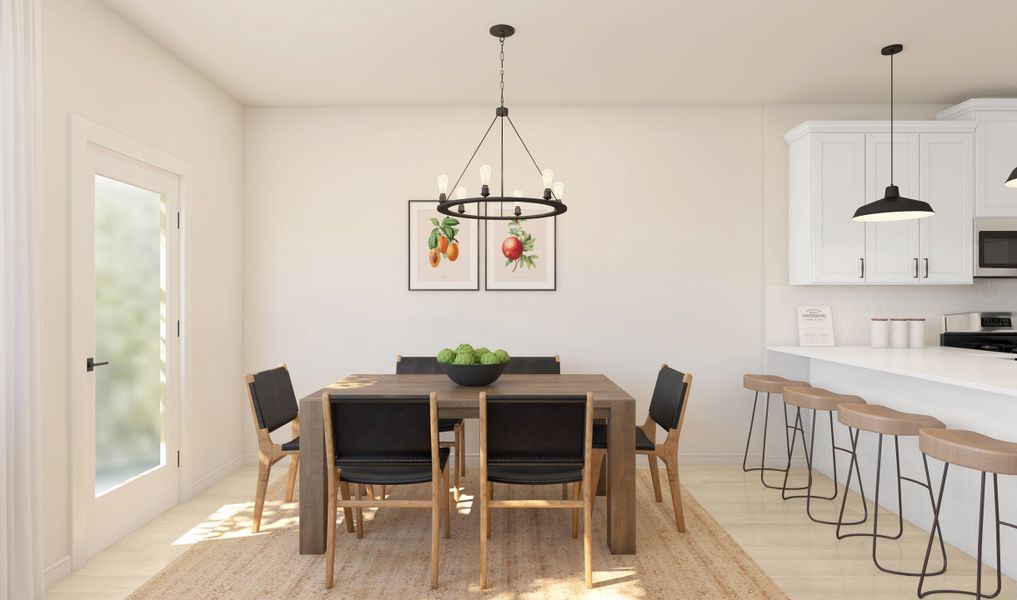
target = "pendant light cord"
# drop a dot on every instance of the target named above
(891, 119)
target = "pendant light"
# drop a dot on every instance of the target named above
(892, 206)
(1011, 181)
(548, 204)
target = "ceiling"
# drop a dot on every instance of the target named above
(588, 52)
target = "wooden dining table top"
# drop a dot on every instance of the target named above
(451, 394)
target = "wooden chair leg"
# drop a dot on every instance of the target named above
(264, 469)
(564, 491)
(370, 491)
(655, 476)
(360, 511)
(292, 483)
(344, 488)
(576, 490)
(589, 493)
(462, 445)
(384, 494)
(485, 531)
(676, 496)
(596, 464)
(459, 458)
(435, 524)
(446, 502)
(490, 496)
(330, 538)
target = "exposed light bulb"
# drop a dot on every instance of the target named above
(485, 174)
(460, 192)
(559, 190)
(548, 178)
(442, 185)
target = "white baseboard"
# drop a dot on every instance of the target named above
(250, 458)
(57, 571)
(217, 474)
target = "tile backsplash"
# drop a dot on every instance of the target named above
(854, 306)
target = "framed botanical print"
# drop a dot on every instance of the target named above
(521, 254)
(444, 252)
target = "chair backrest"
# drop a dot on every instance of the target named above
(379, 428)
(272, 398)
(534, 365)
(669, 396)
(417, 365)
(537, 429)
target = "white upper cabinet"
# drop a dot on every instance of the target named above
(891, 248)
(995, 152)
(835, 167)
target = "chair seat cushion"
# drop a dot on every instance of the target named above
(292, 445)
(600, 438)
(534, 473)
(448, 424)
(388, 471)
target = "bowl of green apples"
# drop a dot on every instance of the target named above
(471, 366)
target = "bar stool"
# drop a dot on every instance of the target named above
(978, 452)
(767, 384)
(815, 399)
(883, 421)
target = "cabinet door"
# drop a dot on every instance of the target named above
(891, 249)
(997, 158)
(947, 166)
(838, 189)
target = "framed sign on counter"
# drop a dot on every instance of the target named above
(815, 326)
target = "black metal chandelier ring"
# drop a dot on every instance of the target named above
(446, 207)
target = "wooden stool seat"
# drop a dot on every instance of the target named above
(817, 398)
(769, 384)
(885, 420)
(970, 449)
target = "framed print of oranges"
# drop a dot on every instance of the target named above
(444, 252)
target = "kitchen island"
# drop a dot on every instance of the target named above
(966, 389)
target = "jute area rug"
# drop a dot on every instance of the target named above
(532, 555)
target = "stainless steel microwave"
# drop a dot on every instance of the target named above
(996, 247)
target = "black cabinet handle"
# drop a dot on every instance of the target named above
(861, 261)
(926, 268)
(916, 268)
(90, 364)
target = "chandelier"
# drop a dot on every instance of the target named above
(548, 205)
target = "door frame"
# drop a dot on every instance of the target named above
(82, 134)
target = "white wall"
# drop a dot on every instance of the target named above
(96, 65)
(853, 306)
(659, 255)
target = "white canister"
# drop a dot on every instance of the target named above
(879, 333)
(916, 333)
(898, 333)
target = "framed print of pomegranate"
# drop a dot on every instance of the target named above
(444, 252)
(521, 254)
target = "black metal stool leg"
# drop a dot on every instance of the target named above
(762, 468)
(798, 427)
(852, 467)
(836, 488)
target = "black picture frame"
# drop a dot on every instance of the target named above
(554, 282)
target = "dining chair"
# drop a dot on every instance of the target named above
(428, 365)
(667, 409)
(553, 447)
(383, 440)
(273, 405)
(534, 365)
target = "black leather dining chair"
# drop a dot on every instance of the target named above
(383, 440)
(534, 365)
(536, 440)
(273, 405)
(667, 409)
(428, 365)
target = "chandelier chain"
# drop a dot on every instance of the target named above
(501, 57)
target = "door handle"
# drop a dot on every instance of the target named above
(861, 261)
(90, 364)
(916, 267)
(926, 268)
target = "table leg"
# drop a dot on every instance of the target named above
(313, 495)
(621, 484)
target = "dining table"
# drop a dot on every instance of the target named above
(611, 403)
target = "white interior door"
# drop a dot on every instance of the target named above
(124, 349)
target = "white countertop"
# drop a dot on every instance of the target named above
(977, 369)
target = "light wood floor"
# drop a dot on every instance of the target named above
(803, 558)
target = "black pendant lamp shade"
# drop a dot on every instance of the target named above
(892, 206)
(1011, 181)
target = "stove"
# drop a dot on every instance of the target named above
(993, 331)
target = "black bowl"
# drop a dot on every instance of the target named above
(474, 375)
